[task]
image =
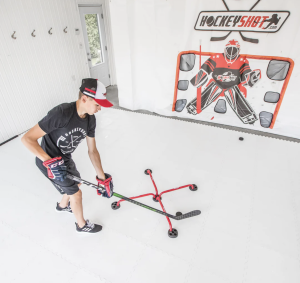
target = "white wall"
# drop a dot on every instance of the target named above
(149, 34)
(38, 73)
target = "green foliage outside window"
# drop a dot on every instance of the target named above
(93, 35)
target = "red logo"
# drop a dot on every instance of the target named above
(226, 77)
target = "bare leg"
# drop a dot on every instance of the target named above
(76, 205)
(64, 201)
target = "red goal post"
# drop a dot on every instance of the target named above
(248, 56)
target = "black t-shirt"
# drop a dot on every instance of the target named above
(65, 130)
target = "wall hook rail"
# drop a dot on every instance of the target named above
(13, 35)
(32, 34)
(49, 31)
(65, 29)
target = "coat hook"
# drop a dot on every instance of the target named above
(49, 31)
(65, 30)
(13, 35)
(33, 33)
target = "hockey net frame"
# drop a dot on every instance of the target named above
(248, 56)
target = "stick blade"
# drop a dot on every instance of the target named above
(220, 38)
(188, 215)
(252, 40)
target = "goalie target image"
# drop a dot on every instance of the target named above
(230, 75)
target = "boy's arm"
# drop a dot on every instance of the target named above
(95, 157)
(30, 140)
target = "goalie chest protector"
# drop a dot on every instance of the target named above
(227, 75)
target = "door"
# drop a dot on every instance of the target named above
(95, 42)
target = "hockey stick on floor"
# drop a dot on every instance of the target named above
(180, 217)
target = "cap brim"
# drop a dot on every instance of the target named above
(104, 102)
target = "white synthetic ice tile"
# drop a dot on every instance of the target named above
(248, 192)
(200, 275)
(274, 214)
(269, 266)
(113, 256)
(86, 276)
(164, 268)
(227, 253)
(228, 216)
(22, 258)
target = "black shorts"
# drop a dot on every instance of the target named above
(68, 186)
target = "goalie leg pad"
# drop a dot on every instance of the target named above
(207, 97)
(240, 105)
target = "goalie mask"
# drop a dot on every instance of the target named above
(232, 51)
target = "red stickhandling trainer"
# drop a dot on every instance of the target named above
(172, 232)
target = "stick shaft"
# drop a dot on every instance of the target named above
(145, 206)
(120, 196)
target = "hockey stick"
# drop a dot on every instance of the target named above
(254, 5)
(220, 38)
(180, 217)
(12, 138)
(252, 40)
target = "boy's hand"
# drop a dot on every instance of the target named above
(56, 168)
(108, 185)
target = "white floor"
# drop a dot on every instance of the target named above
(249, 195)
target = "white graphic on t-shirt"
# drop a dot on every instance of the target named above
(71, 144)
(68, 142)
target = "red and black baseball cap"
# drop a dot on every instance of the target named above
(95, 89)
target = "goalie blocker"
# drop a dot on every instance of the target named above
(252, 78)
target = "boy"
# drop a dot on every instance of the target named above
(64, 127)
